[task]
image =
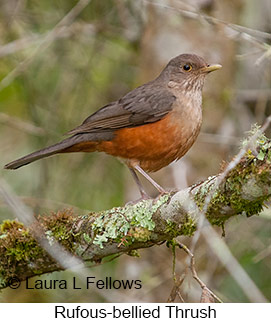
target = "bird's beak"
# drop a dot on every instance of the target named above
(211, 68)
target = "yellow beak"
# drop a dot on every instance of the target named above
(211, 68)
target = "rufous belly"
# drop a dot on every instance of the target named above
(153, 145)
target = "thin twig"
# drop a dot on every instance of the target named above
(45, 42)
(21, 125)
(246, 33)
(176, 289)
(195, 275)
(265, 55)
(37, 39)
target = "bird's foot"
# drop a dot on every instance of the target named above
(170, 192)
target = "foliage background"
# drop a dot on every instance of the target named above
(52, 76)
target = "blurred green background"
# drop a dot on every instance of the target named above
(54, 72)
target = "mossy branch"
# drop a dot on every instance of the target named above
(92, 237)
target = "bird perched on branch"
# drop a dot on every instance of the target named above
(149, 127)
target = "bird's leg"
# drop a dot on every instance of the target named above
(144, 195)
(142, 172)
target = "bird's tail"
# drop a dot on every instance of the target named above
(45, 152)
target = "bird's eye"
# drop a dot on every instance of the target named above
(187, 67)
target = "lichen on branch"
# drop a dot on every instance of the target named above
(92, 237)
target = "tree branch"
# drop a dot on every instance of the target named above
(94, 236)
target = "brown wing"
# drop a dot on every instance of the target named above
(143, 105)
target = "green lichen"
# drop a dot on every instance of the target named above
(50, 237)
(22, 250)
(140, 234)
(133, 221)
(87, 238)
(134, 253)
(229, 196)
(25, 245)
(188, 227)
(8, 225)
(58, 228)
(19, 247)
(260, 145)
(239, 191)
(172, 228)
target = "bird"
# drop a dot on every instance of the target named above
(148, 128)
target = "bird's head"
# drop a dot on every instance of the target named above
(188, 71)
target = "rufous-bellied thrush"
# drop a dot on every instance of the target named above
(148, 127)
